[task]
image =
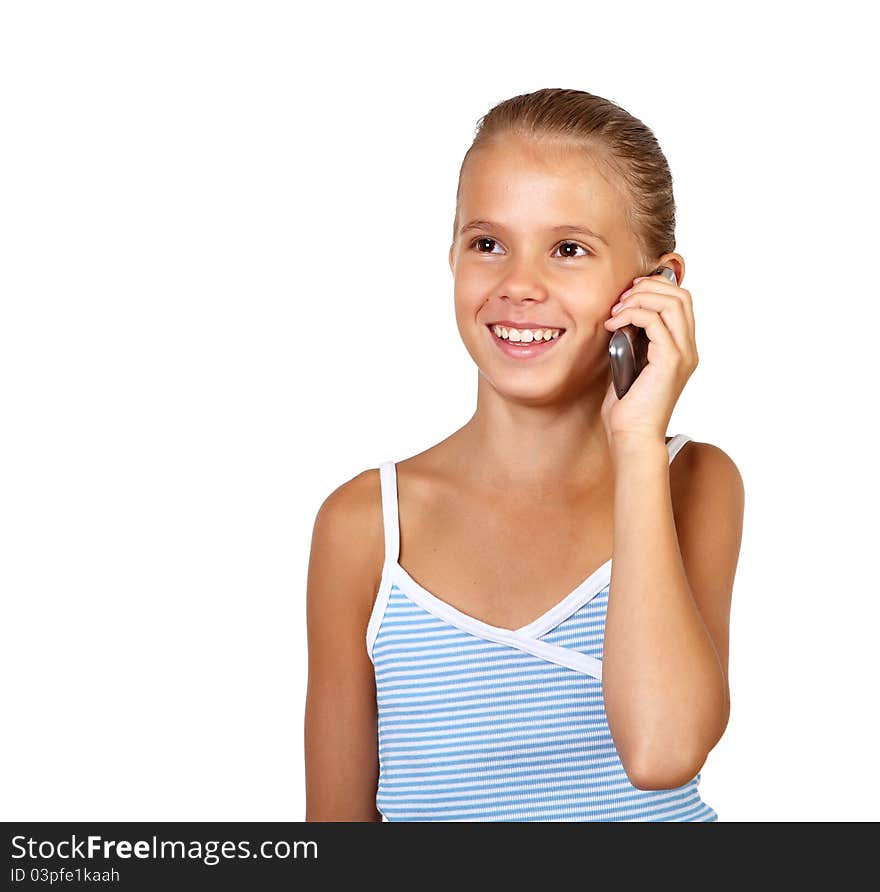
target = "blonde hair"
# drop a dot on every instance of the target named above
(609, 136)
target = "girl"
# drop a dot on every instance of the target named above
(451, 678)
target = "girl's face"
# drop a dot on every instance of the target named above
(521, 255)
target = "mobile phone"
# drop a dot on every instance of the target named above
(628, 349)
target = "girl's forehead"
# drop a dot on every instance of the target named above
(507, 180)
(509, 165)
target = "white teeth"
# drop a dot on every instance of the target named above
(525, 335)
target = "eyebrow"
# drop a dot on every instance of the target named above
(567, 227)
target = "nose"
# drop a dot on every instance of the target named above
(523, 282)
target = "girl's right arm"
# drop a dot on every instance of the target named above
(345, 567)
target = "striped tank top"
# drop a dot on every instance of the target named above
(481, 723)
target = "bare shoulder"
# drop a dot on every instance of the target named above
(708, 494)
(355, 507)
(348, 542)
(700, 469)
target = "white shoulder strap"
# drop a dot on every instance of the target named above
(675, 444)
(388, 482)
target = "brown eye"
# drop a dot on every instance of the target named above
(574, 245)
(483, 239)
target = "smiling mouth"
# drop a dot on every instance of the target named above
(525, 336)
(524, 351)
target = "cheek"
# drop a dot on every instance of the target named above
(469, 301)
(467, 324)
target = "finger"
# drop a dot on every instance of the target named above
(671, 311)
(653, 323)
(661, 285)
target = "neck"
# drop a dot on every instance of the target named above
(529, 447)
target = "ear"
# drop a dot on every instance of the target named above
(676, 262)
(451, 255)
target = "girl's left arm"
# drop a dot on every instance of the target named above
(665, 658)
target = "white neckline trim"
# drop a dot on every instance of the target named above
(562, 656)
(572, 602)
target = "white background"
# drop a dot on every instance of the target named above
(225, 292)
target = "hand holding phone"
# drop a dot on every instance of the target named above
(628, 349)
